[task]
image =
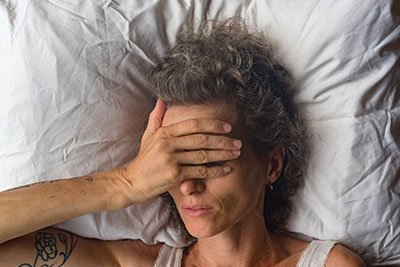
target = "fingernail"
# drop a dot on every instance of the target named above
(237, 143)
(236, 152)
(227, 127)
(226, 169)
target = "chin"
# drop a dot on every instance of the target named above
(201, 233)
(203, 229)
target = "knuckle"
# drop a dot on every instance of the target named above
(167, 144)
(201, 156)
(215, 172)
(193, 125)
(226, 141)
(200, 140)
(174, 174)
(162, 132)
(202, 171)
(184, 174)
(223, 142)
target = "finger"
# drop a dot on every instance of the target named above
(197, 157)
(205, 141)
(156, 116)
(201, 171)
(198, 125)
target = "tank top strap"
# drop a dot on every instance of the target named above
(169, 256)
(316, 253)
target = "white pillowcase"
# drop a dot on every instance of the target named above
(75, 99)
(344, 56)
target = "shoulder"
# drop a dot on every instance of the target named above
(341, 256)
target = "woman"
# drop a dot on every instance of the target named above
(227, 145)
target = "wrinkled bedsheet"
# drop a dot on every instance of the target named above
(75, 97)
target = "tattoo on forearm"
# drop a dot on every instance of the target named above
(48, 253)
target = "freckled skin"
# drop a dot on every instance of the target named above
(235, 196)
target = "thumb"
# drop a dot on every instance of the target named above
(156, 117)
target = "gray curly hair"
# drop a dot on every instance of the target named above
(224, 61)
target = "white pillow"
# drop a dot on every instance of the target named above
(77, 99)
(345, 59)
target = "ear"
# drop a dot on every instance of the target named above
(275, 163)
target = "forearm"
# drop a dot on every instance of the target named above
(53, 247)
(36, 206)
(168, 155)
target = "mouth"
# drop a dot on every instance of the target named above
(196, 211)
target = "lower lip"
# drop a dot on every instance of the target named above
(198, 213)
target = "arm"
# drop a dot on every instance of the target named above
(54, 247)
(33, 207)
(168, 155)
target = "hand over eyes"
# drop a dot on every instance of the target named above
(171, 154)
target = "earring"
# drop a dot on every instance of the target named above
(270, 186)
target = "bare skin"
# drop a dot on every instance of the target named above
(134, 253)
(168, 156)
(232, 234)
(24, 251)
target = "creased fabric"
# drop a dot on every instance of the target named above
(75, 98)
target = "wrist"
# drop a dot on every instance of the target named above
(119, 187)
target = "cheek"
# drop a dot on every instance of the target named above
(248, 186)
(237, 193)
(174, 192)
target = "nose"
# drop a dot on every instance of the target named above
(192, 186)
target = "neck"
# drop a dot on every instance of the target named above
(247, 243)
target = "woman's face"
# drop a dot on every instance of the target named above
(211, 206)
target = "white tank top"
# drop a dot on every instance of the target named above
(315, 255)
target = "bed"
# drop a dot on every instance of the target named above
(75, 98)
